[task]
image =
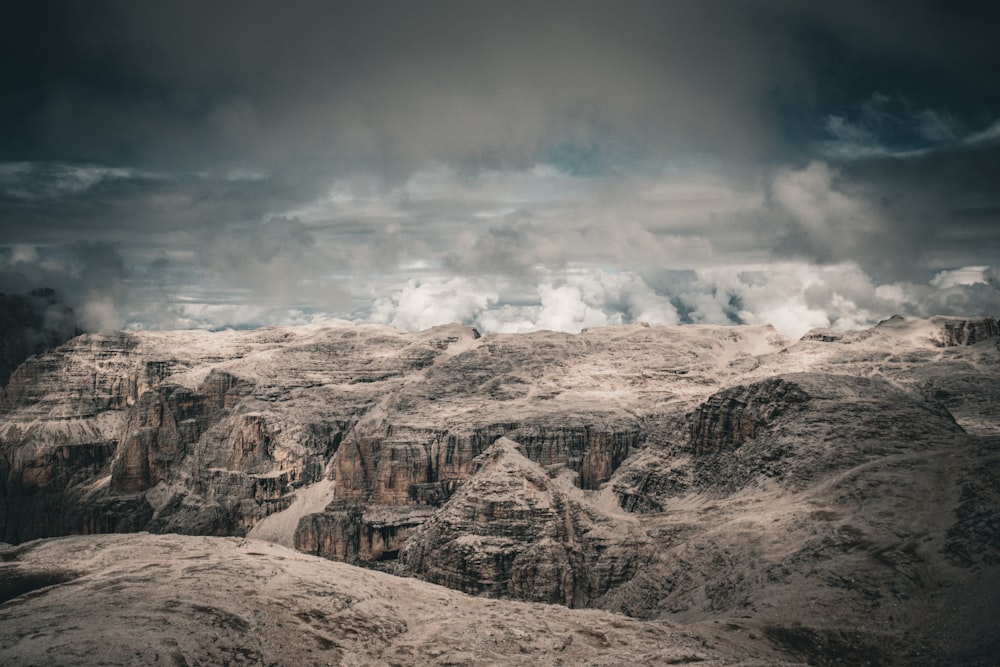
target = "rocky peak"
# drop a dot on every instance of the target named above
(953, 331)
(516, 530)
(809, 483)
(733, 416)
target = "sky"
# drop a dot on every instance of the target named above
(510, 165)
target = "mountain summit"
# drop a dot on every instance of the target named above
(835, 495)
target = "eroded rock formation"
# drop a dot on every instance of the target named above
(734, 416)
(691, 472)
(514, 531)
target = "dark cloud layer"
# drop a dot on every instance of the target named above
(228, 82)
(253, 162)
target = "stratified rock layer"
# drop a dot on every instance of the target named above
(178, 600)
(692, 472)
(511, 531)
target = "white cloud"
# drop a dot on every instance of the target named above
(626, 297)
(566, 301)
(968, 275)
(19, 254)
(420, 305)
(795, 297)
(582, 299)
(818, 205)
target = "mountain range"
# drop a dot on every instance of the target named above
(625, 495)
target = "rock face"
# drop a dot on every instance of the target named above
(684, 472)
(734, 416)
(217, 601)
(955, 331)
(512, 531)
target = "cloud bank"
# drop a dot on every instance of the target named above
(515, 165)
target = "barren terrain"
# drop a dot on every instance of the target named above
(712, 494)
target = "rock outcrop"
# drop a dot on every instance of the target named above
(734, 416)
(792, 430)
(956, 331)
(356, 533)
(406, 471)
(151, 599)
(512, 531)
(692, 472)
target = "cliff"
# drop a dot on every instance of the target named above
(683, 472)
(515, 531)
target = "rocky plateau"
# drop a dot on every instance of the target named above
(709, 494)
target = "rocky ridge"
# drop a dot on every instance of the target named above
(520, 531)
(691, 473)
(150, 599)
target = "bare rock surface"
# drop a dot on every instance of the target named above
(209, 433)
(834, 497)
(148, 599)
(512, 531)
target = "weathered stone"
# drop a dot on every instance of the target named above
(511, 531)
(355, 533)
(210, 433)
(957, 331)
(734, 416)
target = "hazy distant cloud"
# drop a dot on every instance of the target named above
(515, 247)
(278, 261)
(991, 135)
(792, 296)
(55, 201)
(90, 277)
(33, 182)
(894, 126)
(827, 222)
(515, 165)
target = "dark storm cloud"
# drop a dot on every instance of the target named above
(249, 153)
(92, 278)
(939, 208)
(398, 82)
(46, 202)
(394, 83)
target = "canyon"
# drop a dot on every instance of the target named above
(745, 496)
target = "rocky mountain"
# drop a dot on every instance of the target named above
(834, 497)
(179, 600)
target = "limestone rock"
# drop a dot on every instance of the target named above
(151, 599)
(356, 533)
(733, 416)
(957, 331)
(696, 473)
(511, 531)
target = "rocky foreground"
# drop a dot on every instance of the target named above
(833, 499)
(178, 600)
